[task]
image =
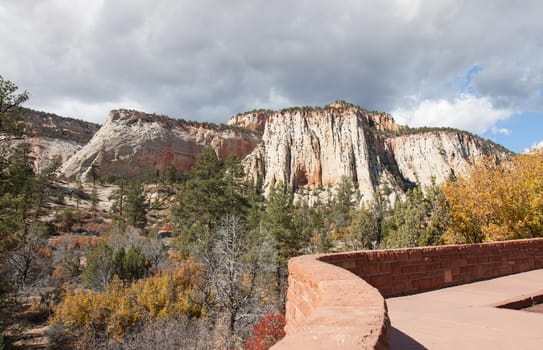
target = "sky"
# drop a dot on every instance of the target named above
(471, 64)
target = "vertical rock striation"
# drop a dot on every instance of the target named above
(314, 147)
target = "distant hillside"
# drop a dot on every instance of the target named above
(52, 136)
(307, 148)
(43, 124)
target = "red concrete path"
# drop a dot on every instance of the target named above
(463, 317)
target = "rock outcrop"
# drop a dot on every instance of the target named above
(47, 149)
(136, 144)
(440, 155)
(55, 127)
(308, 148)
(51, 136)
(254, 120)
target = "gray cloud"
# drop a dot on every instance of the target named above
(211, 59)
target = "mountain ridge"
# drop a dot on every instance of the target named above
(304, 147)
(315, 147)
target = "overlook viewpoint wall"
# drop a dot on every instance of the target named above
(337, 300)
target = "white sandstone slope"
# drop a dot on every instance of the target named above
(133, 143)
(45, 149)
(439, 155)
(313, 147)
(302, 149)
(307, 148)
(51, 136)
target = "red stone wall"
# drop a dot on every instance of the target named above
(407, 271)
(329, 307)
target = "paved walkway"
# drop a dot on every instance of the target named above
(463, 317)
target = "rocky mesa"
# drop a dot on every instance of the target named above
(307, 148)
(136, 144)
(310, 147)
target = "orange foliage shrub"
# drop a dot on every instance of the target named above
(72, 241)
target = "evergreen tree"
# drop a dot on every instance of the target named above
(200, 202)
(418, 220)
(317, 216)
(135, 264)
(17, 191)
(369, 224)
(236, 189)
(438, 216)
(279, 221)
(105, 262)
(212, 190)
(169, 177)
(364, 230)
(118, 198)
(408, 220)
(100, 266)
(16, 172)
(136, 206)
(342, 204)
(10, 100)
(94, 200)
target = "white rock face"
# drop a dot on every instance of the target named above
(133, 143)
(45, 149)
(312, 150)
(438, 154)
(252, 120)
(309, 148)
(306, 148)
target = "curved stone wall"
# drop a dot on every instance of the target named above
(398, 272)
(335, 301)
(331, 308)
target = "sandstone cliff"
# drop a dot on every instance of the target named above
(132, 143)
(307, 148)
(51, 136)
(52, 126)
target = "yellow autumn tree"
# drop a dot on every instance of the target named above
(497, 201)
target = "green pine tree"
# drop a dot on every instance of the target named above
(136, 205)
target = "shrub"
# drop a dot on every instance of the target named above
(268, 331)
(122, 307)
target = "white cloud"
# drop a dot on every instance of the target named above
(202, 59)
(501, 131)
(96, 112)
(534, 148)
(466, 112)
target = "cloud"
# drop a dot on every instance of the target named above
(467, 112)
(536, 147)
(209, 60)
(79, 109)
(501, 131)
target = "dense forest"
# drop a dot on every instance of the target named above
(199, 261)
